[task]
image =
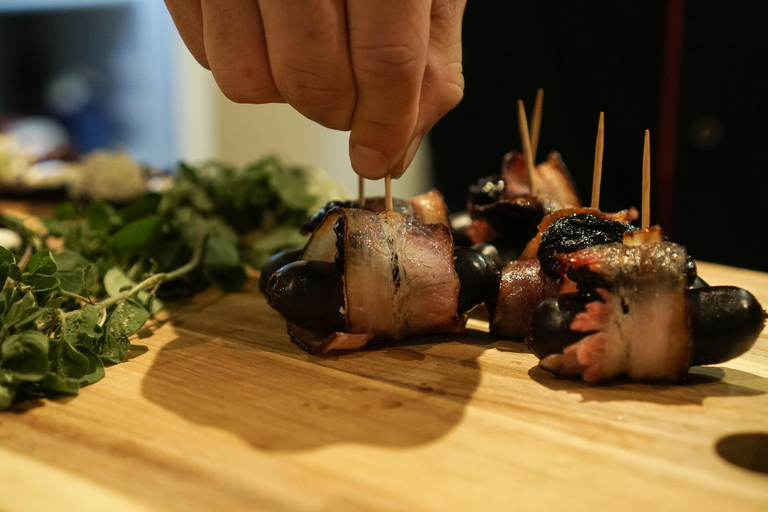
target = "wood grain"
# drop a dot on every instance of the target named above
(216, 410)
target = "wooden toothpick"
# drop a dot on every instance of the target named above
(360, 192)
(388, 191)
(525, 140)
(597, 174)
(646, 216)
(536, 122)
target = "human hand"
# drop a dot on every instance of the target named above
(387, 70)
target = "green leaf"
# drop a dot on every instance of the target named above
(137, 234)
(98, 217)
(54, 304)
(6, 256)
(122, 322)
(6, 260)
(65, 211)
(82, 328)
(115, 281)
(69, 369)
(188, 172)
(42, 263)
(86, 279)
(220, 252)
(55, 227)
(42, 283)
(71, 265)
(14, 272)
(144, 207)
(18, 307)
(283, 237)
(94, 371)
(7, 392)
(10, 296)
(294, 187)
(25, 356)
(27, 316)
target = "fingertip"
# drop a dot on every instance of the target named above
(202, 59)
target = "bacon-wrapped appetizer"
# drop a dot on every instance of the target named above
(504, 212)
(635, 314)
(366, 275)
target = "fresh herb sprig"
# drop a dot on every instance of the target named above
(67, 313)
(47, 345)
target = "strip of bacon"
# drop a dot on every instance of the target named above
(319, 343)
(398, 275)
(430, 208)
(552, 178)
(523, 287)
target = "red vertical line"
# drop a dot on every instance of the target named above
(664, 168)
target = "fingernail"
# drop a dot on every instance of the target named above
(368, 162)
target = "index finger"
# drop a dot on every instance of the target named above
(388, 48)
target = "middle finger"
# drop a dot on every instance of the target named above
(307, 45)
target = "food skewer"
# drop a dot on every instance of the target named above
(360, 192)
(388, 192)
(646, 211)
(525, 140)
(536, 122)
(597, 174)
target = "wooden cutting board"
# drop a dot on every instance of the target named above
(216, 410)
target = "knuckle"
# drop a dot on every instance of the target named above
(303, 84)
(247, 87)
(386, 62)
(323, 97)
(384, 123)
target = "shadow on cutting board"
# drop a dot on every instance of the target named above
(700, 383)
(232, 367)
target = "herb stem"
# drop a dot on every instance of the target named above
(24, 261)
(74, 296)
(156, 280)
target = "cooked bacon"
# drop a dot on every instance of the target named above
(649, 235)
(319, 343)
(641, 327)
(430, 208)
(399, 277)
(481, 231)
(523, 287)
(378, 204)
(551, 177)
(427, 208)
(529, 253)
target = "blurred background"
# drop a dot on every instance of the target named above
(92, 74)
